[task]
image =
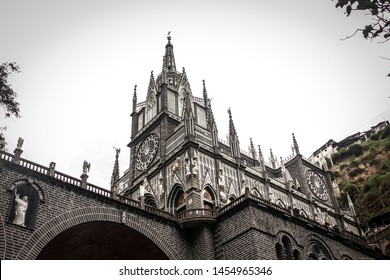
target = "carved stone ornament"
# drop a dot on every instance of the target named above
(146, 152)
(317, 185)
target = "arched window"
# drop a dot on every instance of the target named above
(297, 255)
(287, 247)
(279, 252)
(318, 252)
(151, 107)
(177, 199)
(208, 198)
(286, 251)
(150, 200)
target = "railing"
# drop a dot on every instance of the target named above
(231, 205)
(200, 213)
(159, 212)
(57, 175)
(128, 201)
(198, 99)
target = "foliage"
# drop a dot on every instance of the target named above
(351, 189)
(365, 175)
(384, 167)
(385, 133)
(356, 171)
(374, 136)
(7, 96)
(379, 11)
(355, 150)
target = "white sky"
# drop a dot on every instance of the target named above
(280, 66)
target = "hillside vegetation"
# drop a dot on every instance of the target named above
(363, 171)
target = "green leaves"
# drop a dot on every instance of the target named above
(7, 96)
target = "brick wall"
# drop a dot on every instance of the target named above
(246, 231)
(252, 233)
(66, 206)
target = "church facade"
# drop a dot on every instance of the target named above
(178, 164)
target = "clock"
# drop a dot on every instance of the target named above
(146, 152)
(317, 185)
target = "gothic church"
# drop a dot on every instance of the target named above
(186, 195)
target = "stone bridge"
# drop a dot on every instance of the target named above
(67, 218)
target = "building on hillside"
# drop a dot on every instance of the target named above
(331, 147)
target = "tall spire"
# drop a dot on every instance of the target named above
(135, 99)
(115, 171)
(169, 59)
(233, 138)
(295, 145)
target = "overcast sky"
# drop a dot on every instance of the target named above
(279, 65)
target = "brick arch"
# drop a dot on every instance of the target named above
(55, 226)
(295, 248)
(2, 238)
(281, 232)
(313, 238)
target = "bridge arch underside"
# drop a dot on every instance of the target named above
(101, 240)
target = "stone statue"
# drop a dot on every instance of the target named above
(221, 177)
(20, 143)
(20, 209)
(188, 164)
(86, 167)
(195, 164)
(176, 165)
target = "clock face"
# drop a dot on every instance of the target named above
(317, 185)
(147, 152)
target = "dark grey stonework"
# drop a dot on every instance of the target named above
(243, 230)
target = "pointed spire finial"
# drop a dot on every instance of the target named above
(233, 137)
(295, 145)
(135, 99)
(135, 92)
(252, 149)
(115, 171)
(261, 157)
(169, 59)
(272, 159)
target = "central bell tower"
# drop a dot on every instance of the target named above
(168, 129)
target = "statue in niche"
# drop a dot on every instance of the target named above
(222, 194)
(188, 165)
(21, 206)
(176, 165)
(195, 164)
(221, 177)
